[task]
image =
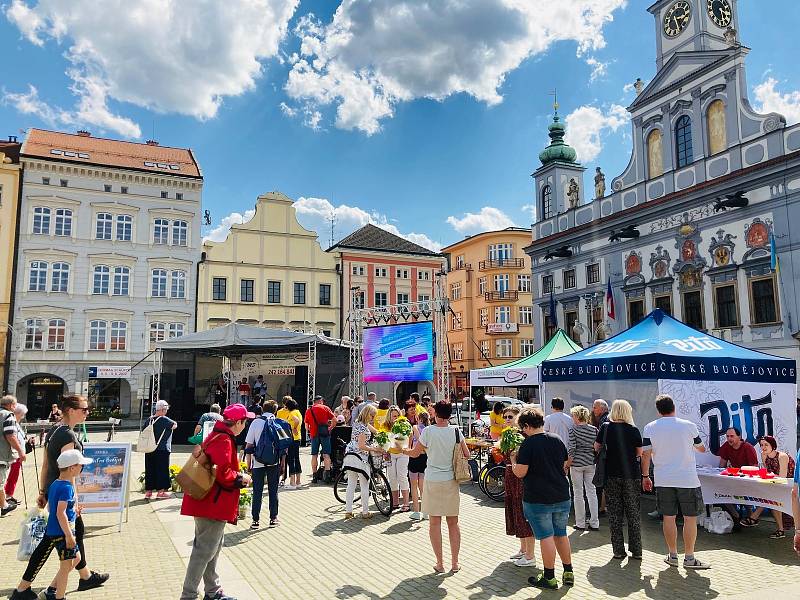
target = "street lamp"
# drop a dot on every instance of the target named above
(18, 348)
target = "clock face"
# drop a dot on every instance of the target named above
(720, 12)
(677, 18)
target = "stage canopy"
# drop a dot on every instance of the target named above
(524, 371)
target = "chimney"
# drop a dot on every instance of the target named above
(84, 133)
(12, 138)
(151, 143)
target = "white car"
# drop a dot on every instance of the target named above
(468, 417)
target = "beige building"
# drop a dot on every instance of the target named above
(271, 272)
(489, 286)
(9, 208)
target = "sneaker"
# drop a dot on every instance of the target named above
(95, 580)
(274, 522)
(164, 495)
(366, 515)
(695, 565)
(8, 509)
(424, 516)
(672, 561)
(28, 594)
(545, 584)
(568, 578)
(654, 515)
(525, 562)
(594, 528)
(148, 495)
(220, 595)
(415, 516)
(255, 525)
(12, 500)
(289, 486)
(517, 556)
(348, 516)
(49, 594)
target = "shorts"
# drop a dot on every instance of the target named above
(63, 552)
(417, 465)
(325, 442)
(690, 501)
(4, 470)
(547, 520)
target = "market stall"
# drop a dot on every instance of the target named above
(772, 492)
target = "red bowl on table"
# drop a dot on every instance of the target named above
(733, 470)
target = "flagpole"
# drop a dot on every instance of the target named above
(775, 267)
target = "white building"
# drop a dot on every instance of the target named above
(109, 241)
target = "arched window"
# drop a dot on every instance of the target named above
(717, 135)
(37, 282)
(655, 154)
(547, 202)
(683, 141)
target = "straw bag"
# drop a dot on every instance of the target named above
(197, 476)
(461, 470)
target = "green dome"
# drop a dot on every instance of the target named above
(558, 150)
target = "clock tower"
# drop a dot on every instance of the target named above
(693, 25)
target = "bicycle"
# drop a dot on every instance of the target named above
(491, 478)
(378, 486)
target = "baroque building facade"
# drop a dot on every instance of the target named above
(109, 241)
(699, 223)
(10, 175)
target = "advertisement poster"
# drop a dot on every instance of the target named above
(103, 485)
(399, 353)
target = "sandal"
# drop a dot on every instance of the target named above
(779, 534)
(436, 569)
(748, 522)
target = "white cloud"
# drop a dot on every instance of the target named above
(488, 219)
(586, 125)
(156, 54)
(377, 53)
(599, 69)
(315, 213)
(770, 99)
(220, 232)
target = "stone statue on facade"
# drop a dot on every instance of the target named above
(573, 194)
(599, 184)
(638, 85)
(730, 37)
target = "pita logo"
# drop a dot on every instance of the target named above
(694, 344)
(615, 347)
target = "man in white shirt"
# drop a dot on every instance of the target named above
(557, 422)
(671, 443)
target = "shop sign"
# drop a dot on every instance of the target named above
(109, 372)
(280, 371)
(502, 328)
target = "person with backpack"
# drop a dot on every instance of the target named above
(318, 420)
(267, 443)
(156, 463)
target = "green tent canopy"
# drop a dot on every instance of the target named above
(524, 371)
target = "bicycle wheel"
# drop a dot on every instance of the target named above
(482, 477)
(381, 492)
(494, 482)
(340, 486)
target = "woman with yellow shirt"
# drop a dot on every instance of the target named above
(380, 416)
(397, 471)
(295, 419)
(496, 422)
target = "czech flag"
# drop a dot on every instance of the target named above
(612, 313)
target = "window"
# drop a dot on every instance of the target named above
(178, 287)
(37, 281)
(160, 231)
(455, 291)
(458, 351)
(325, 294)
(569, 279)
(683, 141)
(63, 182)
(33, 334)
(359, 300)
(180, 230)
(124, 228)
(526, 315)
(503, 348)
(570, 318)
(664, 303)
(106, 188)
(119, 335)
(45, 181)
(41, 221)
(246, 290)
(60, 280)
(219, 288)
(484, 346)
(176, 330)
(402, 273)
(592, 273)
(525, 347)
(56, 334)
(725, 308)
(547, 202)
(380, 299)
(764, 300)
(423, 275)
(63, 222)
(501, 252)
(158, 333)
(524, 283)
(460, 261)
(122, 281)
(635, 312)
(103, 226)
(483, 317)
(402, 298)
(482, 285)
(100, 279)
(123, 189)
(164, 195)
(502, 314)
(97, 335)
(547, 284)
(457, 320)
(158, 283)
(358, 270)
(501, 283)
(693, 309)
(299, 293)
(274, 292)
(380, 272)
(178, 195)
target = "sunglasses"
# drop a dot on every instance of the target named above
(508, 416)
(85, 410)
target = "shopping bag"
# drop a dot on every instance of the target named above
(719, 522)
(31, 533)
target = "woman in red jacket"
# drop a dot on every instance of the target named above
(220, 506)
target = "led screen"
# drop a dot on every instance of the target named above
(399, 352)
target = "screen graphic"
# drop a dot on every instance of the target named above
(399, 353)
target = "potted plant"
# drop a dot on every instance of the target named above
(173, 473)
(401, 431)
(245, 500)
(510, 440)
(141, 483)
(382, 439)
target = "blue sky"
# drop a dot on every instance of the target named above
(425, 118)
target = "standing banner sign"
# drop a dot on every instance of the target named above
(104, 485)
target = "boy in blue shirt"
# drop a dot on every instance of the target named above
(61, 522)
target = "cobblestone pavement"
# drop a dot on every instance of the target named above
(315, 554)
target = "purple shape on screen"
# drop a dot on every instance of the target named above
(418, 358)
(396, 355)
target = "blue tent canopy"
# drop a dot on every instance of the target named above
(660, 347)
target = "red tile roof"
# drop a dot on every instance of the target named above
(83, 148)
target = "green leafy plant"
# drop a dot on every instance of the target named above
(402, 426)
(245, 498)
(510, 440)
(381, 438)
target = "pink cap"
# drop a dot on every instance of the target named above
(237, 412)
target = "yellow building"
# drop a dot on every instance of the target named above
(271, 272)
(489, 286)
(10, 171)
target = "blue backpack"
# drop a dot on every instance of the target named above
(274, 441)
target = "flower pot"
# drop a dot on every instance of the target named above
(176, 487)
(242, 512)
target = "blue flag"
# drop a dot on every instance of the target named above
(553, 315)
(774, 261)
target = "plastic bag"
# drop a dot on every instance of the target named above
(719, 522)
(31, 533)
